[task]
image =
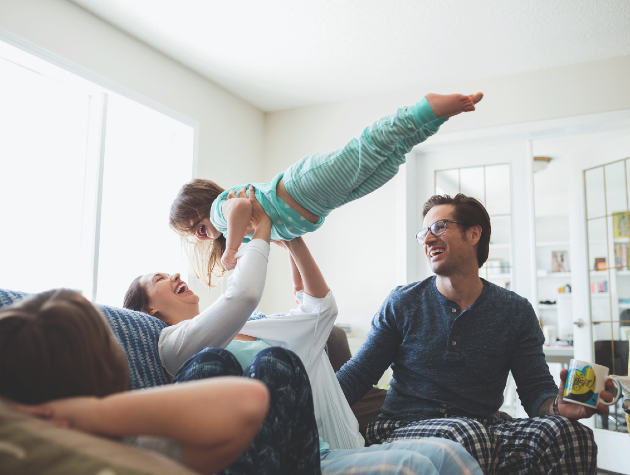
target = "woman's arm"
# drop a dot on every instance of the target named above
(215, 419)
(305, 329)
(304, 270)
(221, 322)
(243, 216)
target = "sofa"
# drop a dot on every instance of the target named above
(31, 446)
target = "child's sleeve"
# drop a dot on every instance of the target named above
(216, 213)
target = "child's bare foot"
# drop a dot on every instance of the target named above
(452, 104)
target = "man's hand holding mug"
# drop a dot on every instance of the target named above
(586, 389)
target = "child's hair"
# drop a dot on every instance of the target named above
(192, 204)
(55, 345)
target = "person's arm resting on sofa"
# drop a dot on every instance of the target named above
(214, 420)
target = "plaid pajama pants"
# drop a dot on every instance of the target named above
(541, 445)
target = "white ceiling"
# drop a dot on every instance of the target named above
(281, 54)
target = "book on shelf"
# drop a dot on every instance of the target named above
(621, 225)
(622, 253)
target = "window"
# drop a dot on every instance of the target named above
(607, 189)
(87, 177)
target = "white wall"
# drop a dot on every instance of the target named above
(231, 131)
(358, 246)
(357, 252)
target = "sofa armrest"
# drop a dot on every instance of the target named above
(338, 348)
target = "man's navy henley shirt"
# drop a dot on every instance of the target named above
(447, 362)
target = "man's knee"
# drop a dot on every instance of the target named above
(464, 431)
(407, 461)
(562, 428)
(469, 429)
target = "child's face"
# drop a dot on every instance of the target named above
(205, 230)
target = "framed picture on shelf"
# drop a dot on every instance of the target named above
(621, 225)
(560, 261)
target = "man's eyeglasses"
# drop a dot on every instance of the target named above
(437, 229)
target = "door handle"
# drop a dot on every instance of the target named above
(579, 323)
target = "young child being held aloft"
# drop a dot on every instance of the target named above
(299, 199)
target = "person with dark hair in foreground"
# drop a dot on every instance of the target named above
(56, 351)
(60, 362)
(451, 340)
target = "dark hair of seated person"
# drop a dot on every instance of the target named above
(136, 297)
(56, 344)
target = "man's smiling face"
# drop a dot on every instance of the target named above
(452, 251)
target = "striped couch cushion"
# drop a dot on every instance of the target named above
(137, 333)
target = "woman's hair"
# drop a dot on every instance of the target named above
(55, 345)
(192, 204)
(469, 211)
(137, 297)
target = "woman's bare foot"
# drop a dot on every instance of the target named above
(452, 104)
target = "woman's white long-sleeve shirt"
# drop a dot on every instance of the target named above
(217, 325)
(305, 330)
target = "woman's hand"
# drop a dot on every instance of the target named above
(228, 260)
(259, 216)
(260, 222)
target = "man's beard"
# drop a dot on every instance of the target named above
(453, 266)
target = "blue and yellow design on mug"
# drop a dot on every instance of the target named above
(586, 382)
(581, 384)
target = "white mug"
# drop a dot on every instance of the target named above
(585, 382)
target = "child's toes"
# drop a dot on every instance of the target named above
(468, 104)
(476, 97)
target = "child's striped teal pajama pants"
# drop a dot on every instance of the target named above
(325, 181)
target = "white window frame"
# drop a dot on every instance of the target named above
(99, 89)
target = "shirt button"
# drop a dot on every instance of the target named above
(454, 310)
(454, 342)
